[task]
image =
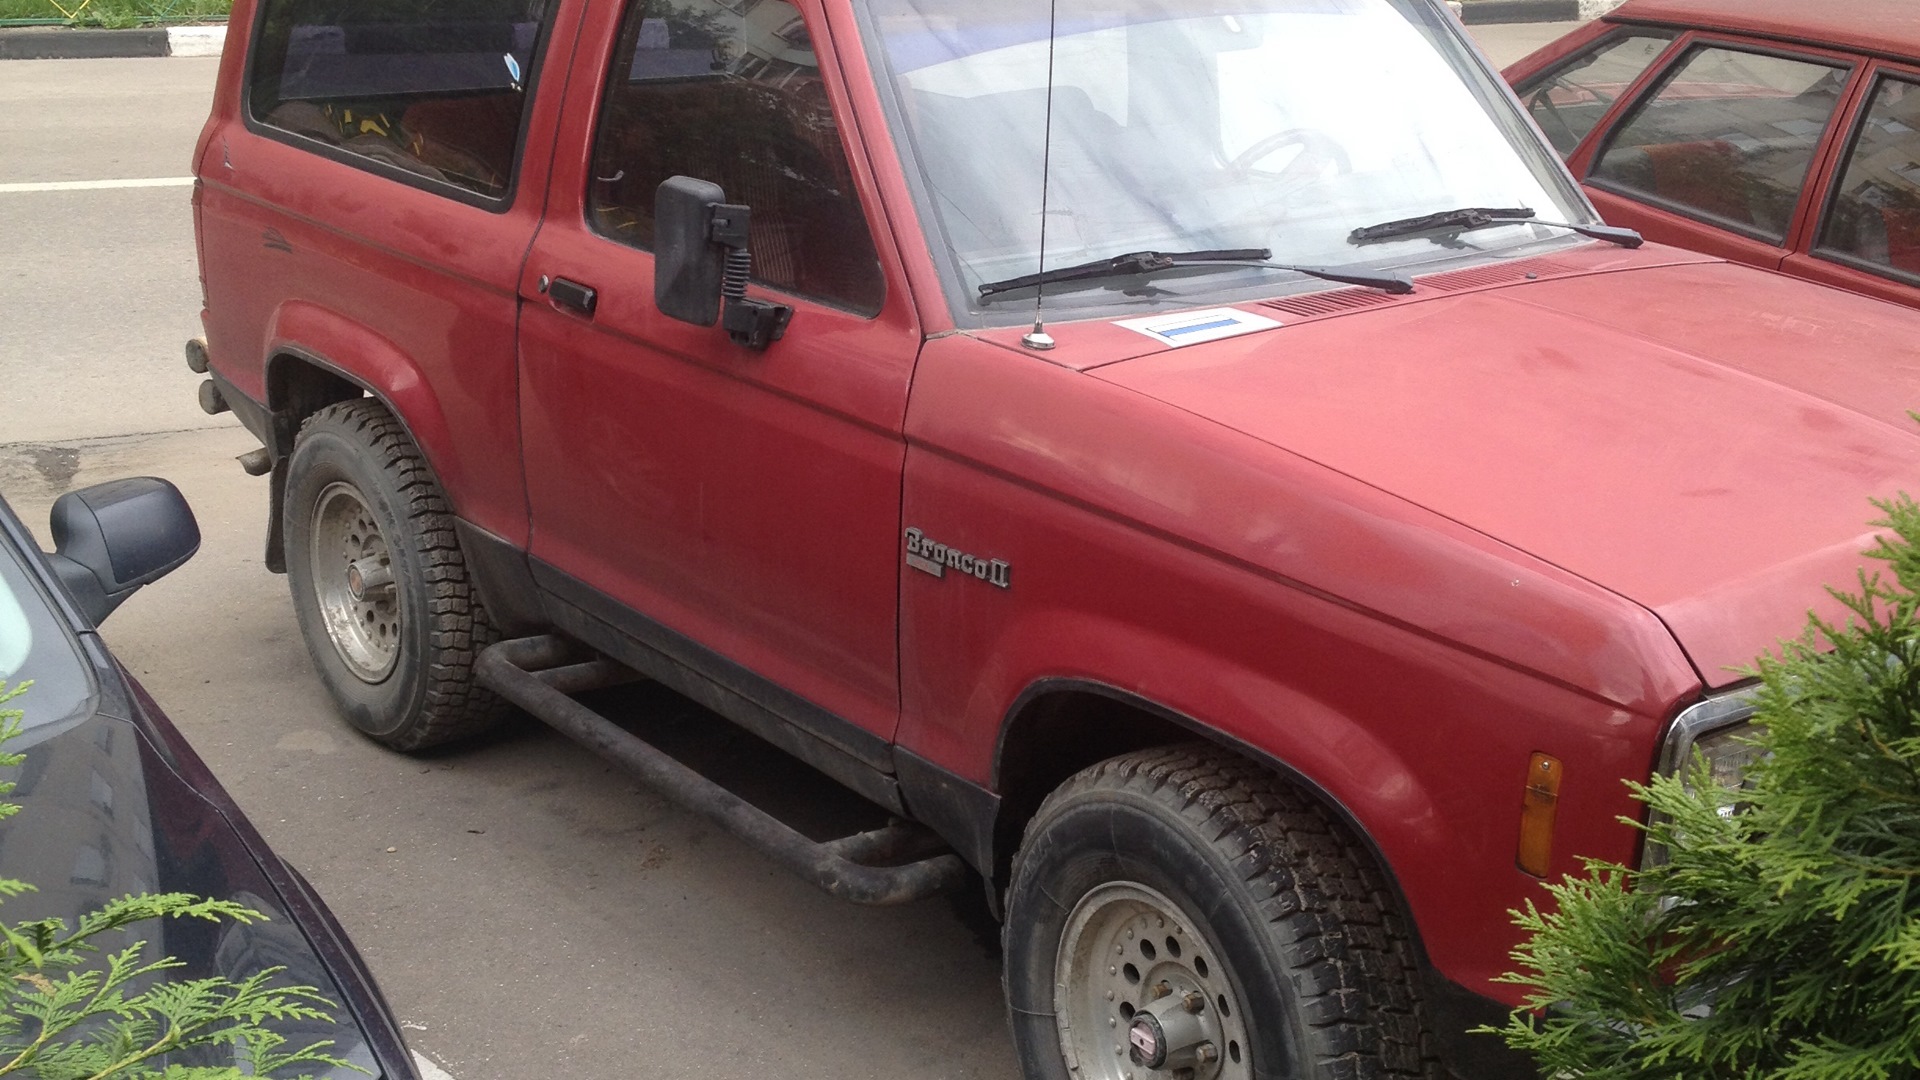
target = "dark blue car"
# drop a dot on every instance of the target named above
(115, 801)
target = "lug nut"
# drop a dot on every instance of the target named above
(1207, 1053)
(1194, 1001)
(1161, 989)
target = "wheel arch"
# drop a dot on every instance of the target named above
(1058, 726)
(316, 358)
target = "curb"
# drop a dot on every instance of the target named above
(1484, 12)
(61, 43)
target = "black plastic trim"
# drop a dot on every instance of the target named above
(253, 415)
(963, 813)
(500, 572)
(850, 754)
(1453, 1011)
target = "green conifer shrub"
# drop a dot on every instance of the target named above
(68, 1011)
(1781, 941)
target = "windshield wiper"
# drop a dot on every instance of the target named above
(1480, 217)
(1152, 262)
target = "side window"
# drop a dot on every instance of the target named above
(1569, 100)
(731, 93)
(1876, 208)
(436, 88)
(1729, 138)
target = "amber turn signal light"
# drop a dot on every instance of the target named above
(1541, 798)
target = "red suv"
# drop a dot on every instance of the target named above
(1208, 473)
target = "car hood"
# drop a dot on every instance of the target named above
(105, 811)
(1702, 439)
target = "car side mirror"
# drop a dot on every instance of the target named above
(112, 538)
(701, 259)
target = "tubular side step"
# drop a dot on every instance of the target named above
(537, 674)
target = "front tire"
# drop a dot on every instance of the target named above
(379, 583)
(1182, 909)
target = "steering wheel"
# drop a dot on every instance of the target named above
(1541, 106)
(1318, 151)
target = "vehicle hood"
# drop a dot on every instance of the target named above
(107, 809)
(1704, 440)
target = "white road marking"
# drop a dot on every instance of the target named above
(428, 1070)
(95, 185)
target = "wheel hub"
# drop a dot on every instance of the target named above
(1169, 1033)
(1139, 994)
(353, 583)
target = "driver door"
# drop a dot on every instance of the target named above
(738, 510)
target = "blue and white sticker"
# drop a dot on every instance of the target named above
(1195, 327)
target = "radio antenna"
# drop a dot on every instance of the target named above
(1039, 339)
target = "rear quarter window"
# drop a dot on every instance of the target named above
(427, 89)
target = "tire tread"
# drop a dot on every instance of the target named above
(1326, 903)
(454, 704)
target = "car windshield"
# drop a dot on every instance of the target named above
(1275, 124)
(36, 645)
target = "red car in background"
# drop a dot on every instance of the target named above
(1778, 133)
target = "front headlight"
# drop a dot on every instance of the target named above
(1720, 729)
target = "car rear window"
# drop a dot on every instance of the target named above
(434, 89)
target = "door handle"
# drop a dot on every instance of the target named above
(572, 295)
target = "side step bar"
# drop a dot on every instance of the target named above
(537, 674)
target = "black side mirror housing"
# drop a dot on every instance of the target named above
(112, 538)
(687, 267)
(701, 259)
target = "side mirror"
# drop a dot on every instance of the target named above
(112, 538)
(701, 258)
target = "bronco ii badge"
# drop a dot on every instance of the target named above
(929, 557)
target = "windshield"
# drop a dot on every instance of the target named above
(36, 646)
(1277, 124)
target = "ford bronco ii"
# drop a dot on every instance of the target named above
(1260, 627)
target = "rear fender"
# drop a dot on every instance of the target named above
(303, 333)
(316, 357)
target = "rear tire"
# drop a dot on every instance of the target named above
(379, 583)
(1189, 875)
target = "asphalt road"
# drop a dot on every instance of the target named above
(529, 911)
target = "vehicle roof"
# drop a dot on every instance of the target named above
(1879, 27)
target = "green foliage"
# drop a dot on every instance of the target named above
(115, 13)
(1782, 941)
(70, 1012)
